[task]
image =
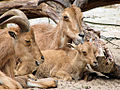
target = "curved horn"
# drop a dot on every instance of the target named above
(20, 21)
(13, 12)
(17, 17)
(64, 3)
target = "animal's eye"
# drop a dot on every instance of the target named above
(66, 18)
(84, 53)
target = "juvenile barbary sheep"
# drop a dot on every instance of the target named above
(67, 64)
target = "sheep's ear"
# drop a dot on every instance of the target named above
(12, 34)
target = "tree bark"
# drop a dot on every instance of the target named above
(83, 4)
(52, 10)
(30, 8)
(90, 4)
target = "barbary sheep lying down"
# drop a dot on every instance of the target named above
(67, 63)
(17, 43)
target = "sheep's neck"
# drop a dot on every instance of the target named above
(60, 39)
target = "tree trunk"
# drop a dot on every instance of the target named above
(30, 8)
(52, 10)
(83, 4)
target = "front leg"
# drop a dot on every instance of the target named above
(63, 75)
(54, 71)
(78, 75)
(9, 67)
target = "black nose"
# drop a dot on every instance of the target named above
(81, 35)
(37, 63)
(42, 57)
(96, 63)
(34, 72)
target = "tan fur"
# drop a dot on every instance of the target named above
(49, 37)
(28, 63)
(25, 67)
(13, 49)
(67, 63)
(19, 48)
(7, 54)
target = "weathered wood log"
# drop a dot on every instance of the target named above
(105, 58)
(83, 4)
(30, 8)
(52, 10)
(90, 4)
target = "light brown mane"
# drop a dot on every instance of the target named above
(49, 33)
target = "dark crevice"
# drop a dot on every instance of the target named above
(5, 18)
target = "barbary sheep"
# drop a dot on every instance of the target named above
(48, 37)
(67, 63)
(17, 43)
(22, 45)
(68, 29)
